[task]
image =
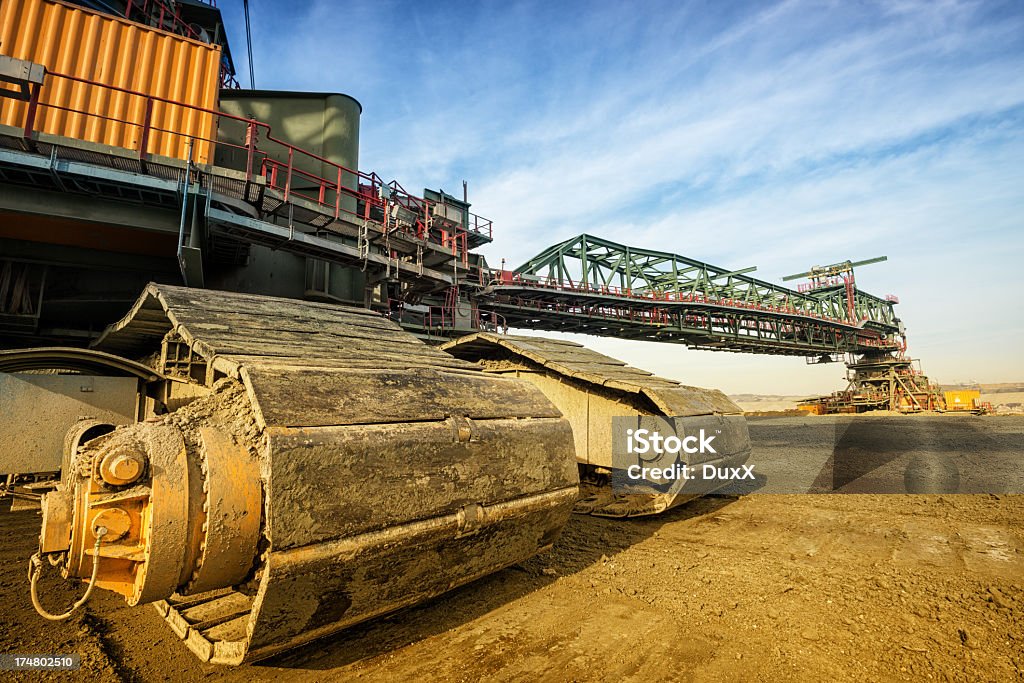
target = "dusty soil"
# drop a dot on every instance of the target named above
(756, 403)
(1005, 401)
(759, 587)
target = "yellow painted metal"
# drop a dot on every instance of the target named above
(967, 399)
(70, 40)
(192, 524)
(225, 558)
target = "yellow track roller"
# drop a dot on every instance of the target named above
(304, 467)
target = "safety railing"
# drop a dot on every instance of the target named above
(458, 244)
(166, 16)
(480, 226)
(657, 316)
(439, 318)
(417, 207)
(541, 282)
(336, 194)
(435, 318)
(419, 212)
(489, 321)
(663, 317)
(877, 342)
(442, 319)
(136, 129)
(151, 125)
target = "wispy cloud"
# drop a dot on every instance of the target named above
(781, 136)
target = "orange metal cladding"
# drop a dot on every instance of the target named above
(96, 47)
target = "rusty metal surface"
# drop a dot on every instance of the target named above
(391, 472)
(37, 410)
(99, 47)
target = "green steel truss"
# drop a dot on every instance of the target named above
(591, 285)
(586, 261)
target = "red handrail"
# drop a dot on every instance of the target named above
(654, 295)
(365, 188)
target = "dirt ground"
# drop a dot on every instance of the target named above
(754, 587)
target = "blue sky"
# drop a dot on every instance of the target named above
(781, 135)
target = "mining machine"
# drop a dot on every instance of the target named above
(219, 365)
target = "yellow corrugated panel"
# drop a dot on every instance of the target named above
(962, 400)
(77, 42)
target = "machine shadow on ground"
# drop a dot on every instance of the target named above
(884, 454)
(860, 448)
(917, 454)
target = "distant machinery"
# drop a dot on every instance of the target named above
(966, 401)
(836, 275)
(880, 382)
(875, 381)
